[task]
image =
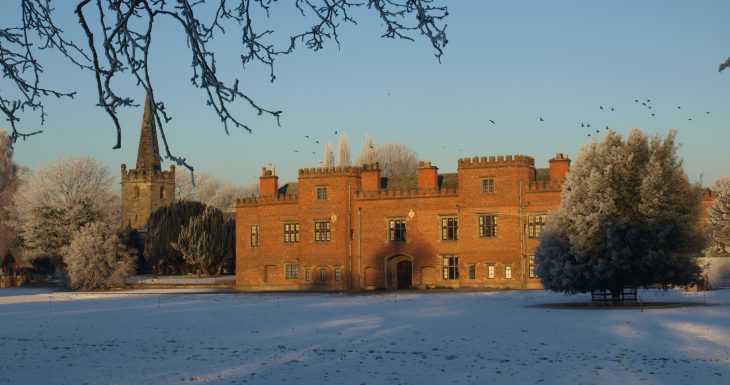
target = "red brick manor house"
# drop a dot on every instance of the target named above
(349, 228)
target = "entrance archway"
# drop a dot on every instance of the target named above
(399, 272)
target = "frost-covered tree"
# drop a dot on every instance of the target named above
(206, 242)
(395, 159)
(59, 199)
(163, 230)
(211, 191)
(226, 196)
(368, 154)
(96, 258)
(719, 220)
(628, 218)
(8, 185)
(329, 156)
(205, 188)
(343, 151)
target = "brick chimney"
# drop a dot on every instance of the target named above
(268, 182)
(559, 167)
(370, 177)
(428, 176)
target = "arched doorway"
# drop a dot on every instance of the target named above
(399, 272)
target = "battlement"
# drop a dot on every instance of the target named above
(272, 199)
(498, 161)
(133, 175)
(407, 193)
(314, 172)
(548, 186)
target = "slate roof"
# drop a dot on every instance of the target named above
(450, 181)
(289, 189)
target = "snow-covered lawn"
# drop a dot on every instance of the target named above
(415, 338)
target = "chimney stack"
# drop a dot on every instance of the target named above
(268, 183)
(559, 167)
(370, 177)
(428, 175)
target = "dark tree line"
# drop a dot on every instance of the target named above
(119, 34)
(186, 236)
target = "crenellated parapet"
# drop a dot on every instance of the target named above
(146, 175)
(329, 172)
(271, 199)
(407, 193)
(498, 161)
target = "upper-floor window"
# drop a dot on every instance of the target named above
(162, 192)
(449, 228)
(254, 235)
(292, 271)
(535, 224)
(291, 232)
(322, 231)
(397, 230)
(322, 193)
(488, 185)
(450, 264)
(487, 226)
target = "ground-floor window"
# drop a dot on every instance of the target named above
(338, 274)
(322, 274)
(472, 272)
(308, 273)
(508, 272)
(292, 271)
(450, 265)
(490, 271)
(532, 266)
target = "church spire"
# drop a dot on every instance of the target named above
(148, 154)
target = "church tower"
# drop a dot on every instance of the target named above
(147, 187)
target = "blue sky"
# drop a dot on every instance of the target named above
(509, 61)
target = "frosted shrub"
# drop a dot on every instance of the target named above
(97, 258)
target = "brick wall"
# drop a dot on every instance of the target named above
(360, 243)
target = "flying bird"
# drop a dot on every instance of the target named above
(652, 114)
(316, 141)
(679, 107)
(601, 107)
(541, 119)
(611, 108)
(335, 132)
(643, 104)
(708, 112)
(689, 118)
(492, 121)
(306, 136)
(724, 65)
(636, 100)
(648, 101)
(607, 127)
(582, 125)
(588, 125)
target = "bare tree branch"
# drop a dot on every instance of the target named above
(120, 47)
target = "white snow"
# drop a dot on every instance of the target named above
(186, 336)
